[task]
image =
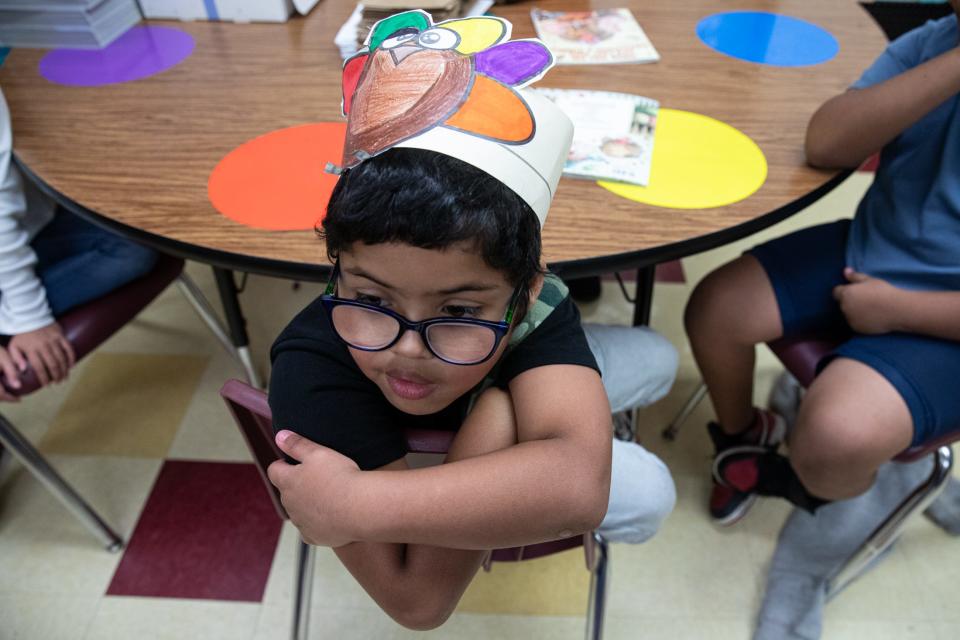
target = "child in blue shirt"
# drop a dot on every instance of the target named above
(50, 262)
(890, 278)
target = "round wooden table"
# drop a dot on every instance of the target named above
(135, 157)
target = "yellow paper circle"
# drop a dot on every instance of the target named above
(698, 163)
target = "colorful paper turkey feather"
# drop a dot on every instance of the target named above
(415, 75)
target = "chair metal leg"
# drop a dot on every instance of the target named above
(599, 579)
(891, 528)
(204, 309)
(670, 433)
(29, 457)
(303, 586)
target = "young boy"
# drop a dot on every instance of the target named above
(50, 262)
(890, 278)
(438, 315)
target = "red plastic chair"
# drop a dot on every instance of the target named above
(250, 410)
(800, 356)
(86, 327)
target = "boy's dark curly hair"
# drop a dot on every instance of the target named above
(432, 201)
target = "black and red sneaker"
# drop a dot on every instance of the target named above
(728, 501)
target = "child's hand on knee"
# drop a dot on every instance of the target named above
(871, 305)
(46, 350)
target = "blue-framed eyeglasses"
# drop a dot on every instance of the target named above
(367, 327)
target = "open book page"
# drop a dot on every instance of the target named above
(613, 134)
(605, 36)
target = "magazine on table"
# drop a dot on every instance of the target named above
(613, 134)
(605, 36)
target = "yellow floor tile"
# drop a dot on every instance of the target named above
(125, 404)
(555, 585)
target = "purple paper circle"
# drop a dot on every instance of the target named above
(139, 53)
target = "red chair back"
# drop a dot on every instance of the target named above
(90, 324)
(800, 356)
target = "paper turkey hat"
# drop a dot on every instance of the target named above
(455, 88)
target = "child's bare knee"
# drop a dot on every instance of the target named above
(828, 444)
(713, 300)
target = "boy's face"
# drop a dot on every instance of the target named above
(420, 284)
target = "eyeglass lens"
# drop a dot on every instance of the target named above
(369, 329)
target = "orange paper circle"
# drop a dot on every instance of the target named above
(277, 181)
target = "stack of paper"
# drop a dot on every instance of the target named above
(613, 134)
(604, 36)
(84, 24)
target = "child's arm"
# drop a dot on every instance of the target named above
(553, 484)
(850, 127)
(24, 312)
(872, 305)
(420, 585)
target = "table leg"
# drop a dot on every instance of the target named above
(236, 323)
(643, 301)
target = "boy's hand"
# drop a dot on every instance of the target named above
(316, 492)
(46, 350)
(11, 376)
(871, 305)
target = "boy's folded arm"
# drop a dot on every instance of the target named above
(417, 585)
(850, 127)
(420, 585)
(554, 483)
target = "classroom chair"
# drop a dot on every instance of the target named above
(800, 356)
(250, 410)
(86, 327)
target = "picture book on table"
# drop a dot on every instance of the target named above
(613, 134)
(604, 36)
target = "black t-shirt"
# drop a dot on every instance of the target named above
(318, 391)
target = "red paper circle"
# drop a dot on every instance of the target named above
(277, 181)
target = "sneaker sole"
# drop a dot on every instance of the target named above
(737, 514)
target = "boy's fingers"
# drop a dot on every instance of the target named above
(278, 472)
(295, 446)
(63, 358)
(838, 291)
(854, 276)
(38, 368)
(9, 370)
(18, 358)
(68, 350)
(52, 360)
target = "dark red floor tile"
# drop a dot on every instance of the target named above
(208, 530)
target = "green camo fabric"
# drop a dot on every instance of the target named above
(554, 292)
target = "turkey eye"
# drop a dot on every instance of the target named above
(439, 39)
(399, 39)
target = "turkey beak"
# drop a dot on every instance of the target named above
(401, 52)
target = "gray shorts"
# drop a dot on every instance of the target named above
(638, 366)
